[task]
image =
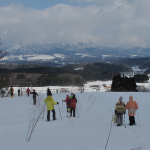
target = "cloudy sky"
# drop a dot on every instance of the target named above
(103, 22)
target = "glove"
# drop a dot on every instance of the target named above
(116, 112)
(57, 102)
(63, 100)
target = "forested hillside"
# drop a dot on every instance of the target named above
(74, 74)
(143, 62)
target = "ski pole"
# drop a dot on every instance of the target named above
(43, 110)
(109, 135)
(67, 110)
(124, 121)
(62, 105)
(138, 117)
(60, 112)
(77, 112)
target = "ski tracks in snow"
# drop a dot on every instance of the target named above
(140, 132)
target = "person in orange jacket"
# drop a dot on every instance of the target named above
(12, 91)
(132, 106)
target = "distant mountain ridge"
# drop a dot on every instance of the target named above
(72, 52)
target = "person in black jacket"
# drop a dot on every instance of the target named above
(34, 96)
(48, 92)
(18, 92)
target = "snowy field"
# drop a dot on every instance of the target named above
(89, 130)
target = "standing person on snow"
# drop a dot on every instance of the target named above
(71, 95)
(6, 93)
(2, 92)
(72, 104)
(67, 105)
(48, 92)
(18, 92)
(11, 91)
(132, 106)
(50, 106)
(28, 91)
(120, 109)
(34, 96)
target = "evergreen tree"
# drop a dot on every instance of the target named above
(123, 84)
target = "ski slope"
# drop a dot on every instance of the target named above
(89, 130)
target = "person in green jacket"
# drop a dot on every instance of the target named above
(50, 106)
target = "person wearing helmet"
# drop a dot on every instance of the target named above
(34, 96)
(66, 100)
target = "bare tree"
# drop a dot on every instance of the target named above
(2, 54)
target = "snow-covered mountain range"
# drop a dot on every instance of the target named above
(71, 52)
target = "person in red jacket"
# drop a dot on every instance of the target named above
(72, 104)
(132, 106)
(28, 91)
(66, 100)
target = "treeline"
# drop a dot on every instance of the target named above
(55, 79)
(66, 75)
(123, 84)
(4, 80)
(143, 62)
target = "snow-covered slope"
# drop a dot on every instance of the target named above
(89, 130)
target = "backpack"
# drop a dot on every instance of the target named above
(2, 91)
(72, 103)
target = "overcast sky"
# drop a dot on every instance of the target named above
(103, 22)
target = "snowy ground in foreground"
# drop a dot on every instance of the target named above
(89, 131)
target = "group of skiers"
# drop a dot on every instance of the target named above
(28, 91)
(120, 109)
(4, 93)
(71, 103)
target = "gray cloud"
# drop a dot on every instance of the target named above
(106, 23)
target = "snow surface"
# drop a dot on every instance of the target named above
(89, 130)
(84, 55)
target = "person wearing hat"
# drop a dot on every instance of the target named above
(72, 105)
(132, 106)
(34, 96)
(50, 106)
(120, 109)
(66, 100)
